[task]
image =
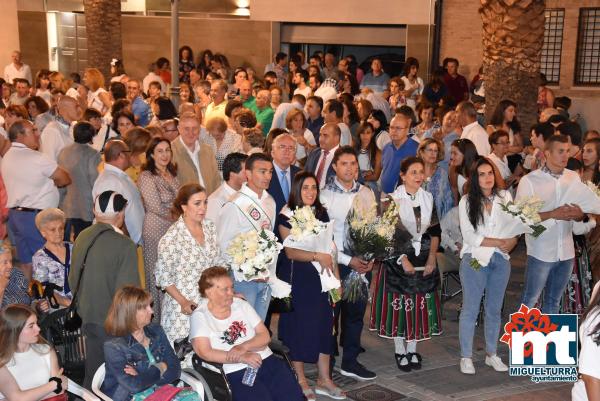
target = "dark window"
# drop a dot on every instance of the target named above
(552, 49)
(587, 64)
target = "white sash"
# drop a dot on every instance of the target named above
(255, 214)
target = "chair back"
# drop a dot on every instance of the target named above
(97, 383)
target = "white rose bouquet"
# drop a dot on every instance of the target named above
(254, 256)
(310, 234)
(528, 211)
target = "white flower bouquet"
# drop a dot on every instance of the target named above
(593, 187)
(584, 195)
(516, 218)
(254, 256)
(368, 237)
(310, 234)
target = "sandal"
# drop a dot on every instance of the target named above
(404, 368)
(336, 393)
(308, 392)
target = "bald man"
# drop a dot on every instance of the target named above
(57, 134)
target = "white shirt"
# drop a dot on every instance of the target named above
(306, 92)
(11, 72)
(232, 222)
(204, 324)
(476, 134)
(32, 368)
(346, 137)
(54, 138)
(473, 236)
(383, 138)
(217, 199)
(94, 101)
(114, 179)
(556, 243)
(194, 156)
(151, 77)
(501, 164)
(589, 357)
(328, 161)
(101, 138)
(26, 173)
(338, 205)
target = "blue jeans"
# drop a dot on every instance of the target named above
(257, 294)
(552, 277)
(492, 280)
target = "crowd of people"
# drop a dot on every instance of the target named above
(125, 203)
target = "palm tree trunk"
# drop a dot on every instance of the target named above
(103, 26)
(513, 36)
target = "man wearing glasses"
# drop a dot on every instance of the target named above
(139, 108)
(394, 152)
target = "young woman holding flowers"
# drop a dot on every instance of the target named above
(306, 330)
(478, 211)
(406, 305)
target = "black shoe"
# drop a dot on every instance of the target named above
(358, 371)
(405, 368)
(414, 365)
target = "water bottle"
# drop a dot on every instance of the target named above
(249, 376)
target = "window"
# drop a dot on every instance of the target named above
(587, 64)
(552, 49)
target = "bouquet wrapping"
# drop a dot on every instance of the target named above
(515, 218)
(584, 195)
(254, 256)
(312, 235)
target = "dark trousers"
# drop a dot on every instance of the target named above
(94, 350)
(77, 225)
(274, 382)
(348, 323)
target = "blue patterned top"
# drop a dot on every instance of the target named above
(439, 186)
(16, 290)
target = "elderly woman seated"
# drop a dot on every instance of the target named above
(51, 263)
(139, 358)
(13, 283)
(227, 330)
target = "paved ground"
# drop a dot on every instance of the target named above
(440, 378)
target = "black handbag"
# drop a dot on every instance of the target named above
(397, 280)
(283, 305)
(72, 319)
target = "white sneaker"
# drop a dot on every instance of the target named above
(466, 366)
(495, 362)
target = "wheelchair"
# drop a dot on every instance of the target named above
(211, 374)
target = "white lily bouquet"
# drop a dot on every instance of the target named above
(521, 217)
(312, 235)
(254, 256)
(369, 236)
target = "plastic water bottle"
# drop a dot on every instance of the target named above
(249, 376)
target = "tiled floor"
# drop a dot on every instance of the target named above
(440, 378)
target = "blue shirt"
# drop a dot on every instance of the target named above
(448, 139)
(377, 83)
(141, 111)
(391, 158)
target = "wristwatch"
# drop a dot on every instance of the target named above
(58, 384)
(399, 260)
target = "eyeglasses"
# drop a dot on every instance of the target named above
(287, 148)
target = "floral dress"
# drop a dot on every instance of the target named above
(181, 261)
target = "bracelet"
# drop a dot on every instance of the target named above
(58, 384)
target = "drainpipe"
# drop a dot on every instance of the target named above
(175, 53)
(437, 35)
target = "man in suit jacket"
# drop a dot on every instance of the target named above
(319, 160)
(196, 162)
(283, 153)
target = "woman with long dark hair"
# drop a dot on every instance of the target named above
(462, 154)
(186, 63)
(478, 211)
(307, 329)
(158, 186)
(588, 385)
(505, 118)
(413, 84)
(369, 157)
(350, 116)
(380, 125)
